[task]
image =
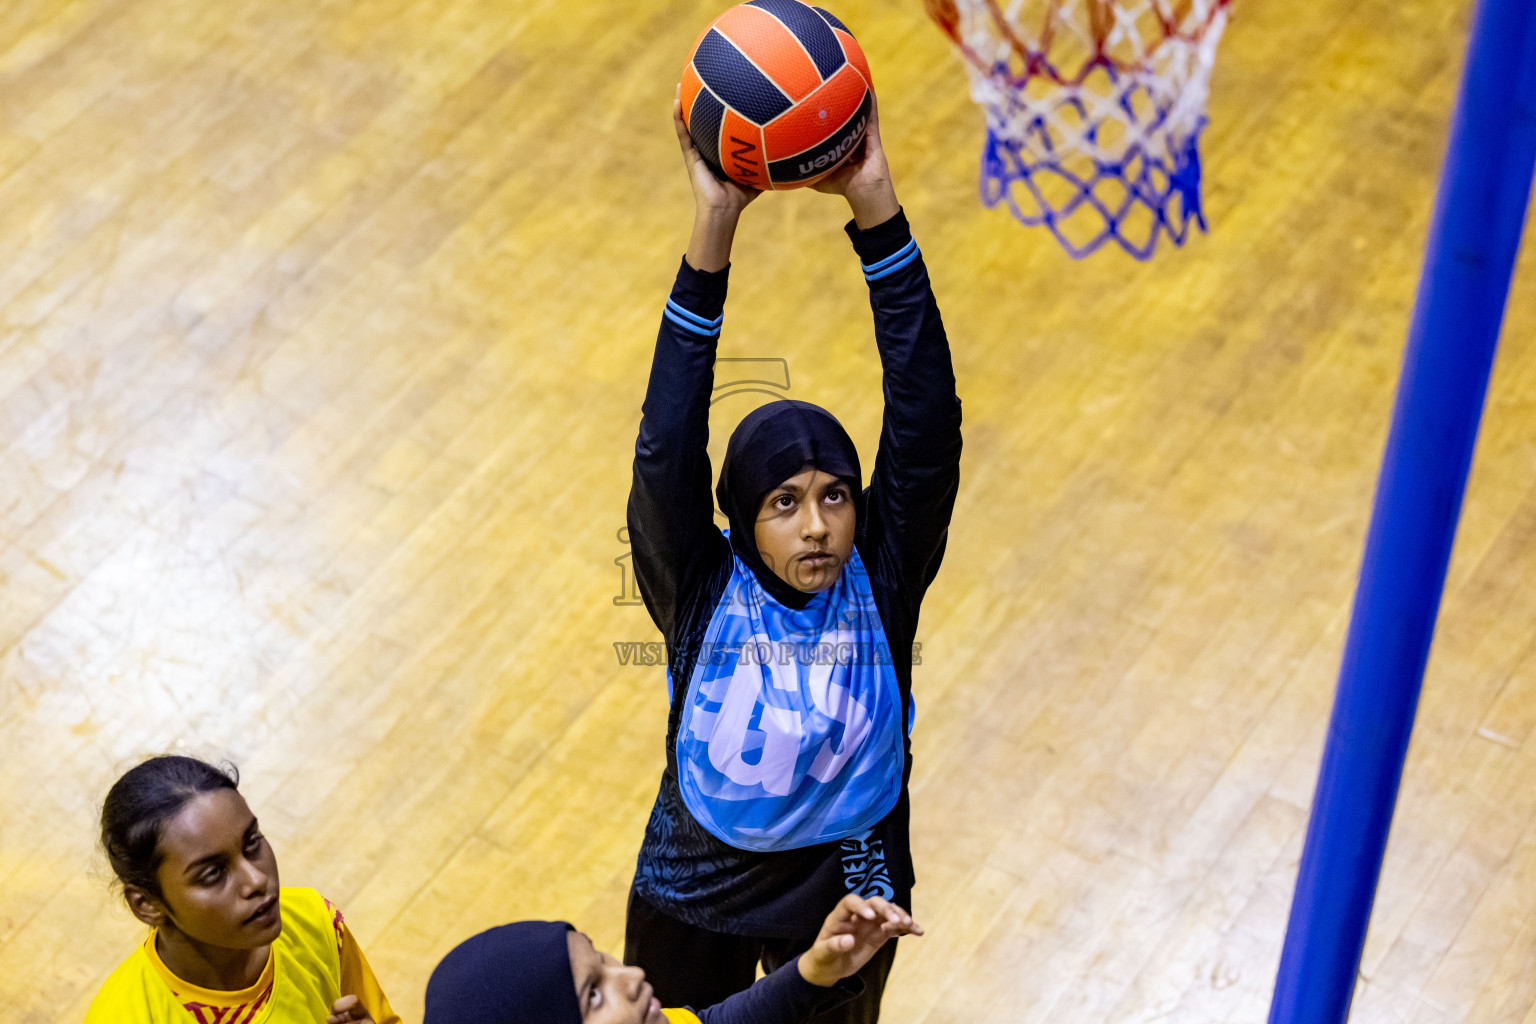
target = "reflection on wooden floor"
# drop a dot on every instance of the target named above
(323, 328)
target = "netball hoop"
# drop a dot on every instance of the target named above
(1094, 111)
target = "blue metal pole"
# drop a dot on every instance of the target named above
(1473, 240)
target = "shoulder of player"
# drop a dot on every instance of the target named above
(304, 900)
(308, 914)
(133, 992)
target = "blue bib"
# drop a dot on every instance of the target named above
(790, 732)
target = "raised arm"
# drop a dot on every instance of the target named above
(824, 975)
(671, 513)
(917, 468)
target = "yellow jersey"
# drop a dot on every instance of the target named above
(314, 962)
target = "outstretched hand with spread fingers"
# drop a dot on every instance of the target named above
(851, 935)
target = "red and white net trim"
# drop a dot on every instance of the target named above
(1094, 110)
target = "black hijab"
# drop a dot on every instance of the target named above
(519, 973)
(773, 443)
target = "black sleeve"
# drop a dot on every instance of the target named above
(917, 468)
(672, 530)
(782, 997)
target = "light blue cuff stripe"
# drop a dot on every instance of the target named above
(688, 325)
(892, 258)
(910, 257)
(687, 315)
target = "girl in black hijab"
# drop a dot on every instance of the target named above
(547, 972)
(789, 637)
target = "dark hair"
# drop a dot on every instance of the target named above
(140, 803)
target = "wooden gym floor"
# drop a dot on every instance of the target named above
(323, 332)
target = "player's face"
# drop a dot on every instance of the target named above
(805, 530)
(219, 875)
(607, 991)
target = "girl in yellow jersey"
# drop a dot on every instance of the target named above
(226, 944)
(547, 972)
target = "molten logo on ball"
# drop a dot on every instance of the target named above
(838, 152)
(835, 156)
(776, 86)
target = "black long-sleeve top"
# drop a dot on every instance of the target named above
(683, 564)
(781, 997)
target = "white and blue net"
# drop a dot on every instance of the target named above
(1094, 110)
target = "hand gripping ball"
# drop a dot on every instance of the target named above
(776, 94)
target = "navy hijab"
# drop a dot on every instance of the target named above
(771, 444)
(518, 973)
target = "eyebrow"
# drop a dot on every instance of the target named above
(214, 858)
(785, 488)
